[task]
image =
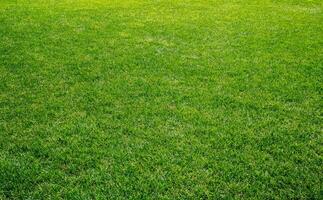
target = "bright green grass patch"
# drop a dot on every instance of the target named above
(161, 99)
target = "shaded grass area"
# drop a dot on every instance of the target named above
(161, 99)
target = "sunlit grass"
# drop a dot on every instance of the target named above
(161, 99)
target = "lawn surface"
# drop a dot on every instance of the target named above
(167, 99)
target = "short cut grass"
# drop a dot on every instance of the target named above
(167, 99)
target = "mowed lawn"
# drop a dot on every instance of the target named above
(167, 99)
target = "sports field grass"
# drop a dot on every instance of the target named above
(167, 99)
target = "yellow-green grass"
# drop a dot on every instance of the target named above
(167, 99)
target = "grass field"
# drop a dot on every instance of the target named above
(161, 99)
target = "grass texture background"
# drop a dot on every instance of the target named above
(161, 99)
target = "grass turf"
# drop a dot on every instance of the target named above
(166, 99)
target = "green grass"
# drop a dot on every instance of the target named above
(167, 99)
